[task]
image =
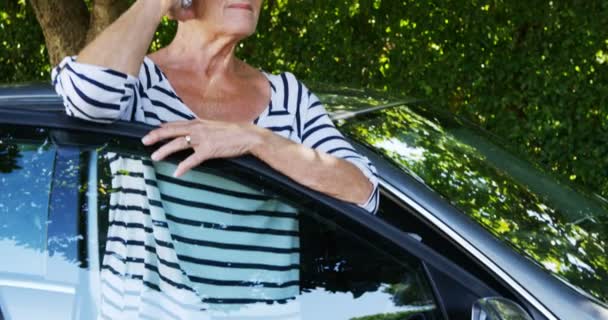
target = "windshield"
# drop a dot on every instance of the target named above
(564, 230)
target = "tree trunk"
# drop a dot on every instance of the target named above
(64, 25)
(104, 13)
(68, 26)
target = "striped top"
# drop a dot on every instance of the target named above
(200, 242)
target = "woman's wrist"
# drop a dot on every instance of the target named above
(163, 7)
(260, 138)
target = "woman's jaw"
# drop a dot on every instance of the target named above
(208, 41)
(233, 18)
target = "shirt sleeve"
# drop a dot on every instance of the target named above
(319, 132)
(95, 93)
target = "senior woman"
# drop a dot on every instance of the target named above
(206, 99)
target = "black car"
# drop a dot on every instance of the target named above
(465, 229)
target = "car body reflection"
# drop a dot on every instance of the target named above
(563, 230)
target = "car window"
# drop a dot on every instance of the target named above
(241, 247)
(554, 224)
(26, 172)
(40, 241)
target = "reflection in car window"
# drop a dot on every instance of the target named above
(41, 267)
(44, 270)
(564, 231)
(26, 172)
(213, 244)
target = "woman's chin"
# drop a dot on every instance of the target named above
(240, 31)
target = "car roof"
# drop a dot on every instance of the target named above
(28, 93)
(340, 102)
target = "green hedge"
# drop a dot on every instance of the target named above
(533, 72)
(23, 55)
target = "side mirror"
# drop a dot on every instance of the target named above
(496, 308)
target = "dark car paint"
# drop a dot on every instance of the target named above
(559, 298)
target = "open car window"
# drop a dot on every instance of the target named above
(90, 235)
(240, 249)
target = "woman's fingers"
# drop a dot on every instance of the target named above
(179, 123)
(208, 139)
(192, 161)
(175, 145)
(166, 132)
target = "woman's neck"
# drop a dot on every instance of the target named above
(201, 52)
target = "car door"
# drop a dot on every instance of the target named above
(350, 265)
(55, 220)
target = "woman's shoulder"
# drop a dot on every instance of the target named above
(287, 83)
(280, 76)
(149, 72)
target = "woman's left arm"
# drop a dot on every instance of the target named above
(313, 168)
(324, 161)
(214, 139)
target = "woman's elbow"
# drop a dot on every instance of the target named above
(83, 99)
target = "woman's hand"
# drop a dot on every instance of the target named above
(173, 9)
(215, 139)
(209, 140)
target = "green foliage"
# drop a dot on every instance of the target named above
(23, 54)
(9, 158)
(563, 231)
(388, 316)
(533, 72)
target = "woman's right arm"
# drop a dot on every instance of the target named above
(102, 84)
(123, 45)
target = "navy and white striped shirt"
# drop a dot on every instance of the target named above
(200, 242)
